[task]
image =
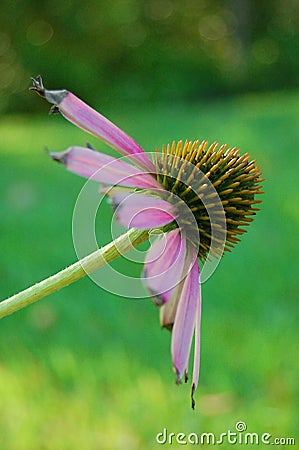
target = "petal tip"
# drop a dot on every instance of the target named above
(186, 377)
(55, 97)
(193, 389)
(178, 379)
(37, 85)
(60, 157)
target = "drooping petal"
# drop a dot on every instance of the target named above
(143, 211)
(169, 309)
(85, 117)
(183, 327)
(196, 364)
(163, 265)
(104, 168)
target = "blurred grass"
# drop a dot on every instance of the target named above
(87, 369)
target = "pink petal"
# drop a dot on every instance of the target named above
(104, 168)
(85, 117)
(196, 364)
(143, 211)
(172, 297)
(183, 328)
(163, 265)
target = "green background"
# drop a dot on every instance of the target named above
(85, 369)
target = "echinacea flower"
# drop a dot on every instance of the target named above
(156, 195)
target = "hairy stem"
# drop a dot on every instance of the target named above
(74, 272)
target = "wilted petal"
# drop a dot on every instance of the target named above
(163, 265)
(143, 211)
(85, 117)
(104, 168)
(196, 364)
(183, 327)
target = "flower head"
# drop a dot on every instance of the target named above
(199, 196)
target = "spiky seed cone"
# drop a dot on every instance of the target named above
(235, 178)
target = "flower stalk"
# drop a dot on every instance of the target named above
(78, 270)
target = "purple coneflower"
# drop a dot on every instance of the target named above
(159, 191)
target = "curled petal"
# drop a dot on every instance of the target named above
(184, 323)
(143, 211)
(104, 168)
(163, 265)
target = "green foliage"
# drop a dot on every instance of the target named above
(86, 369)
(147, 50)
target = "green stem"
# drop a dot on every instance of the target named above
(74, 272)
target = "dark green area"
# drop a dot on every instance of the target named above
(86, 369)
(141, 51)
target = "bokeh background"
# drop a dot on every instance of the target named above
(85, 369)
